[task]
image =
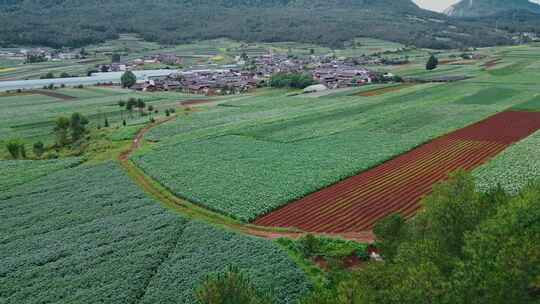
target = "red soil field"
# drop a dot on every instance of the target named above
(398, 185)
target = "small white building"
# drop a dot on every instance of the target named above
(315, 88)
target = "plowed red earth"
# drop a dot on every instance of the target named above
(397, 186)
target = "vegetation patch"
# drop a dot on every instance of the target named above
(530, 105)
(105, 223)
(509, 69)
(382, 91)
(514, 168)
(489, 96)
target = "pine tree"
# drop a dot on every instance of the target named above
(432, 63)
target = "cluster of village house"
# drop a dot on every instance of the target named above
(168, 59)
(332, 73)
(41, 53)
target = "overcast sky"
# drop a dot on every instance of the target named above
(435, 5)
(440, 5)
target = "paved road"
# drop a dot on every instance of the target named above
(73, 81)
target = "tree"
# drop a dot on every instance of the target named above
(453, 209)
(390, 232)
(38, 148)
(432, 63)
(128, 79)
(61, 131)
(78, 126)
(106, 123)
(502, 255)
(130, 105)
(16, 149)
(115, 58)
(141, 105)
(229, 287)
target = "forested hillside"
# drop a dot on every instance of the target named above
(480, 8)
(59, 23)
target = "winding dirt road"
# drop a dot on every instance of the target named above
(191, 210)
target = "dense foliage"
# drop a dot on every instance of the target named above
(89, 235)
(231, 286)
(128, 79)
(77, 23)
(466, 8)
(465, 247)
(291, 80)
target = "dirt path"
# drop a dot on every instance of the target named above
(186, 208)
(52, 94)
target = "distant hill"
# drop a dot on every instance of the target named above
(59, 23)
(483, 8)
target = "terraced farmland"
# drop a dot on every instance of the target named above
(398, 185)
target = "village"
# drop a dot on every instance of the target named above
(250, 73)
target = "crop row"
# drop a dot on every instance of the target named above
(398, 185)
(513, 168)
(89, 235)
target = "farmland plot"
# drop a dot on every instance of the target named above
(18, 172)
(251, 158)
(514, 168)
(397, 186)
(89, 235)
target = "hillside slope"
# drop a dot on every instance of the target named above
(481, 8)
(76, 22)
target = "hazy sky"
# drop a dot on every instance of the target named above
(435, 5)
(440, 5)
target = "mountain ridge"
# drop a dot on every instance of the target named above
(483, 8)
(60, 23)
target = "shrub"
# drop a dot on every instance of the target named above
(39, 148)
(16, 149)
(232, 286)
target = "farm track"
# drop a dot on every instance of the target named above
(382, 91)
(398, 185)
(191, 210)
(52, 94)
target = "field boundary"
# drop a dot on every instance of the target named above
(52, 94)
(194, 211)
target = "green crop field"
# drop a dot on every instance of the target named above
(514, 168)
(31, 116)
(259, 153)
(146, 221)
(18, 172)
(89, 235)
